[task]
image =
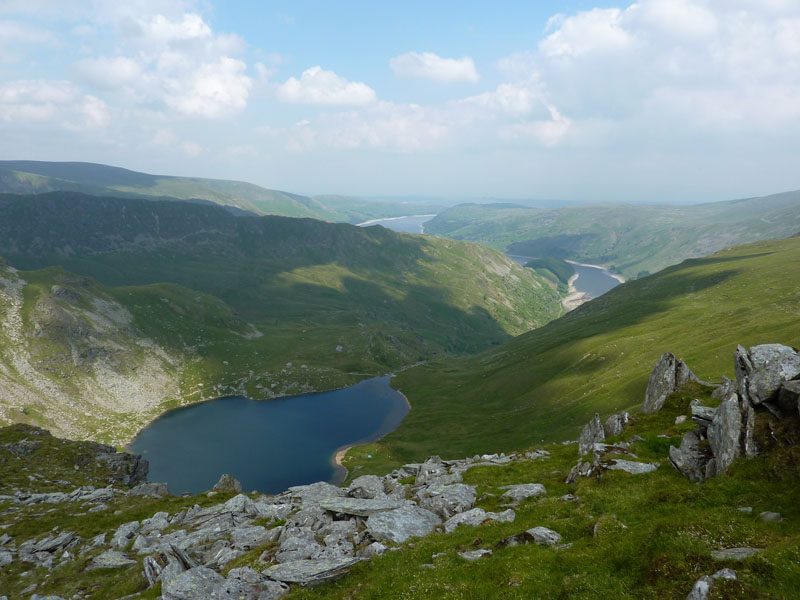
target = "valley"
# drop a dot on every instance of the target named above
(215, 304)
(632, 240)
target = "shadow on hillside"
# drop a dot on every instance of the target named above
(264, 267)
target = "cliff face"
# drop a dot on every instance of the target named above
(72, 360)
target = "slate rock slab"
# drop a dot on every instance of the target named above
(735, 553)
(630, 466)
(311, 571)
(761, 370)
(592, 433)
(228, 483)
(401, 524)
(541, 536)
(360, 507)
(111, 559)
(366, 486)
(473, 555)
(246, 583)
(150, 489)
(196, 583)
(668, 376)
(523, 491)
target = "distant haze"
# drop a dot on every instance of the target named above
(648, 101)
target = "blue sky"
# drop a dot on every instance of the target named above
(653, 101)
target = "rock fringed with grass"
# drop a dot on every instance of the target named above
(228, 483)
(592, 433)
(615, 424)
(667, 377)
(762, 373)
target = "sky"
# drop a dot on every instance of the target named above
(650, 101)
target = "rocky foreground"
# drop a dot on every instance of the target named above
(259, 547)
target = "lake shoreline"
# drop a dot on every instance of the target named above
(340, 471)
(384, 219)
(360, 413)
(619, 278)
(574, 296)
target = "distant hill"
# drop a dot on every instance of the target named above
(634, 239)
(36, 177)
(295, 305)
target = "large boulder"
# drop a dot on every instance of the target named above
(592, 433)
(150, 489)
(359, 507)
(689, 458)
(197, 582)
(245, 583)
(762, 370)
(306, 572)
(523, 491)
(668, 376)
(615, 424)
(403, 523)
(724, 434)
(228, 483)
(448, 500)
(367, 487)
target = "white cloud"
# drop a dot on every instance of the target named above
(176, 62)
(677, 17)
(214, 90)
(669, 65)
(516, 99)
(317, 86)
(427, 65)
(57, 103)
(597, 30)
(548, 132)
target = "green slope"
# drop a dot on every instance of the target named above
(293, 305)
(546, 384)
(634, 239)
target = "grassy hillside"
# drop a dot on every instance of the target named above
(627, 537)
(546, 384)
(632, 238)
(269, 305)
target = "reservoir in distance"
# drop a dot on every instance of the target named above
(268, 445)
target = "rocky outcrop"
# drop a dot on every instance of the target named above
(766, 377)
(592, 433)
(762, 371)
(615, 424)
(667, 377)
(228, 483)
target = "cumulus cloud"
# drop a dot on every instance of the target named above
(317, 86)
(176, 62)
(51, 102)
(703, 63)
(427, 65)
(596, 30)
(214, 90)
(512, 112)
